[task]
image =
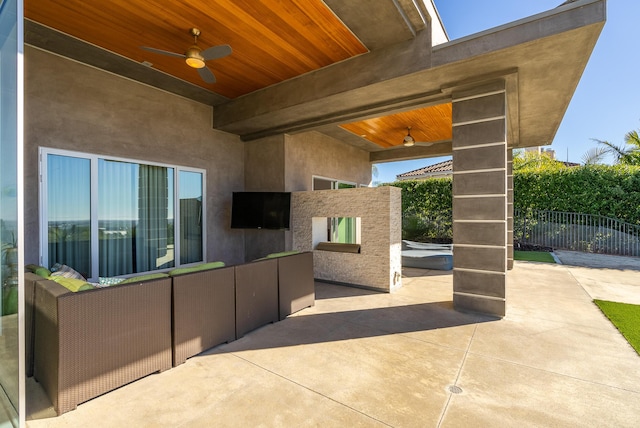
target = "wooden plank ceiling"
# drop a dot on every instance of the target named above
(428, 124)
(272, 41)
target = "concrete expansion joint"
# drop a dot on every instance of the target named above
(454, 388)
(478, 246)
(475, 171)
(488, 272)
(475, 97)
(479, 221)
(488, 195)
(472, 122)
(480, 296)
(479, 146)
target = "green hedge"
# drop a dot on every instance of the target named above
(426, 209)
(611, 191)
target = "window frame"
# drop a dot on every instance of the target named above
(333, 222)
(44, 152)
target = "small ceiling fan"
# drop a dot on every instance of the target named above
(195, 56)
(409, 141)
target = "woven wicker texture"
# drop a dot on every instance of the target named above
(256, 295)
(296, 287)
(91, 342)
(203, 311)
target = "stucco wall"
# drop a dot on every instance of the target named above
(75, 107)
(288, 163)
(312, 153)
(379, 263)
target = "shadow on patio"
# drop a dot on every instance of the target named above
(405, 359)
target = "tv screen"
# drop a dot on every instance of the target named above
(260, 210)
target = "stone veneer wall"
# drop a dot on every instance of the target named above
(379, 264)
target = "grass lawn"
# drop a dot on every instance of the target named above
(533, 256)
(626, 318)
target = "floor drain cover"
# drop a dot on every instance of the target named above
(454, 389)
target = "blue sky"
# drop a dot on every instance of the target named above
(606, 104)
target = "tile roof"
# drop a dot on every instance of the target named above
(445, 167)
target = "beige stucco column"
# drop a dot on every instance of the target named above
(480, 198)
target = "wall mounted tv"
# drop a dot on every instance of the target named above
(260, 210)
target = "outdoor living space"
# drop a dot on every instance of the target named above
(363, 358)
(129, 158)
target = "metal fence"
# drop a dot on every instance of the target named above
(575, 231)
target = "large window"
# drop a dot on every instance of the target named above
(109, 217)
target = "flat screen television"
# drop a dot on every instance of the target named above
(260, 210)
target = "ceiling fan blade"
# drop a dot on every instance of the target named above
(161, 52)
(207, 75)
(416, 144)
(216, 52)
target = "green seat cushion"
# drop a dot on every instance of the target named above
(198, 268)
(276, 255)
(72, 284)
(282, 254)
(146, 277)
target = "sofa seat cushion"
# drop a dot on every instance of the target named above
(145, 277)
(198, 268)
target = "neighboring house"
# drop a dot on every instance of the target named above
(442, 169)
(106, 134)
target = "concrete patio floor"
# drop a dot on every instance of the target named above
(407, 359)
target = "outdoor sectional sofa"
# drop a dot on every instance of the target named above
(216, 306)
(91, 342)
(82, 344)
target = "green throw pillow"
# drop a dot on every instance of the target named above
(43, 272)
(31, 267)
(72, 284)
(198, 268)
(144, 278)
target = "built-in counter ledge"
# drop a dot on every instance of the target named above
(338, 247)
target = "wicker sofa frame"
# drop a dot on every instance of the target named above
(81, 345)
(217, 306)
(94, 341)
(203, 311)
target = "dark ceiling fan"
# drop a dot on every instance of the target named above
(195, 56)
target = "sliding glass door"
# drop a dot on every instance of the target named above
(10, 131)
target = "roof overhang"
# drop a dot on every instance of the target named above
(541, 57)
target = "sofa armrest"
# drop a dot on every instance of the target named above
(91, 342)
(296, 285)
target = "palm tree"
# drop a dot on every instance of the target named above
(626, 154)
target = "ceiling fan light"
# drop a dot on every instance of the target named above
(193, 57)
(195, 62)
(408, 139)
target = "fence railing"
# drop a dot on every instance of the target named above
(575, 231)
